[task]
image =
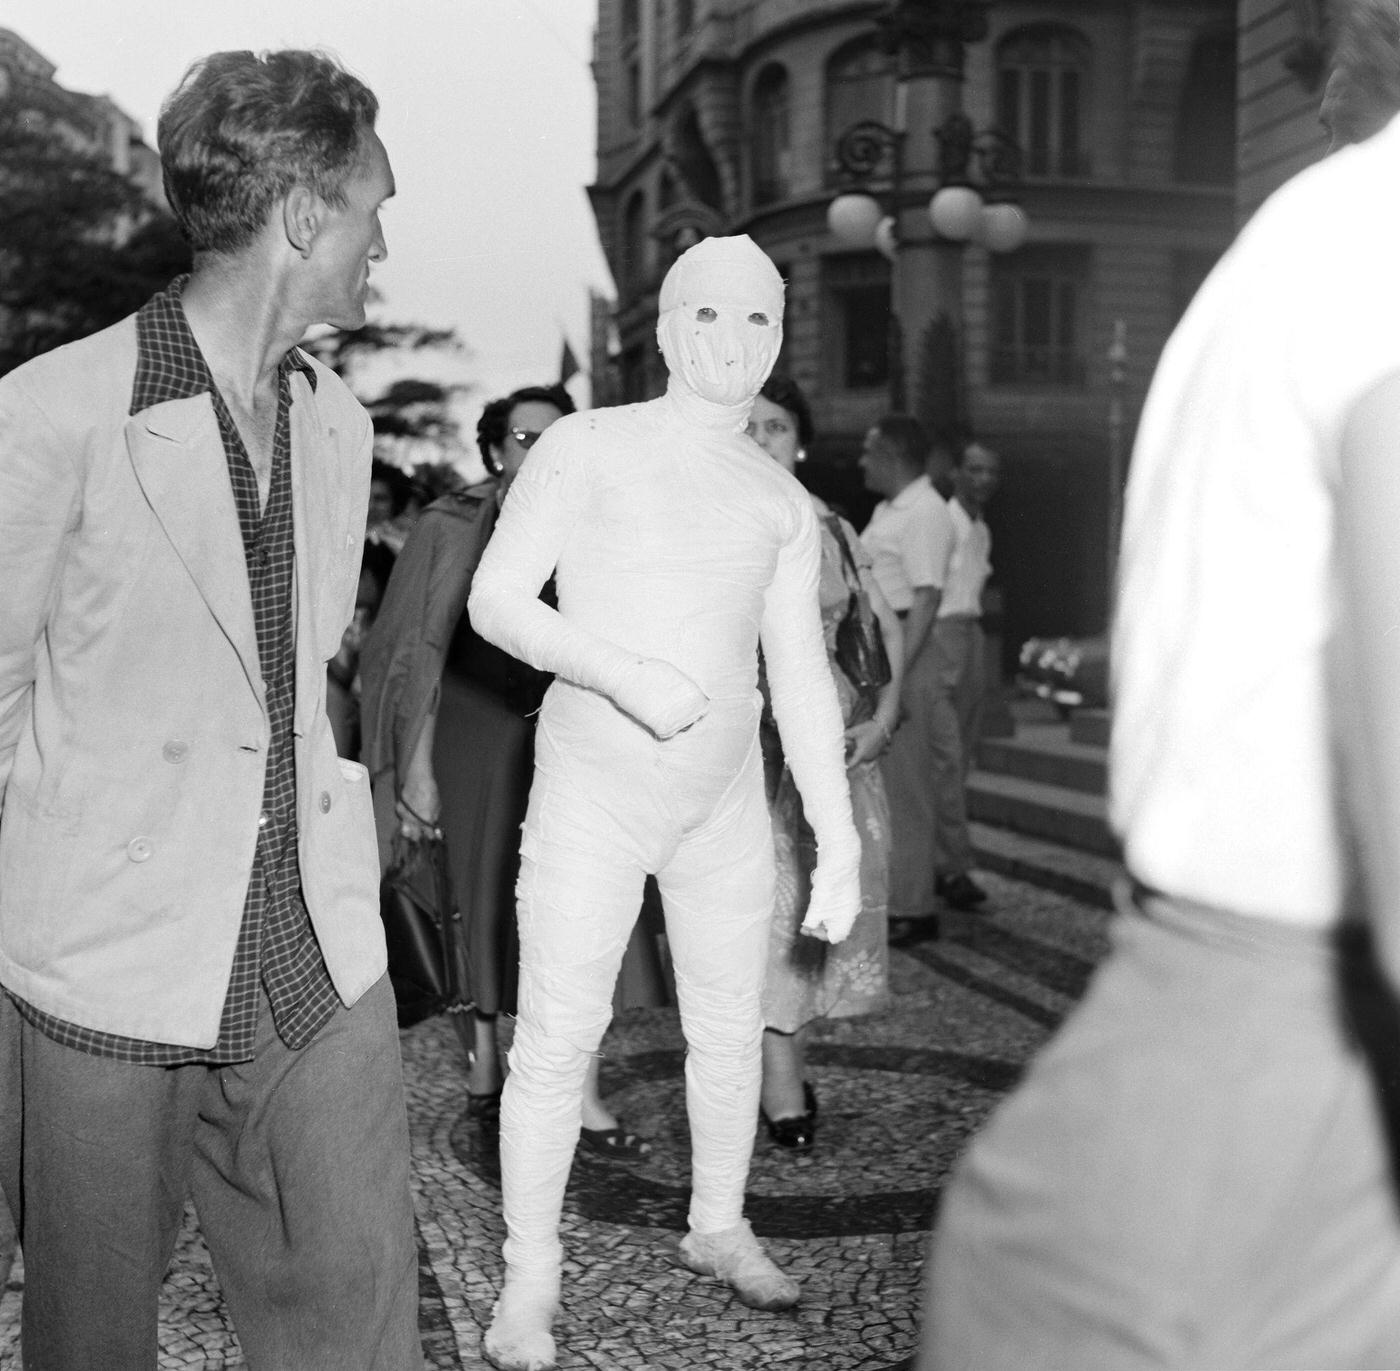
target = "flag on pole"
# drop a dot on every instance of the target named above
(568, 363)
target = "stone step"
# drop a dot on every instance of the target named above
(1046, 753)
(1085, 876)
(1040, 810)
(1090, 727)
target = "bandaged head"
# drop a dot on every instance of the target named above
(721, 319)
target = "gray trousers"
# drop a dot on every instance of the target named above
(298, 1165)
(961, 658)
(8, 1238)
(1197, 1171)
(925, 766)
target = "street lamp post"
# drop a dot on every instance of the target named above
(859, 219)
(973, 174)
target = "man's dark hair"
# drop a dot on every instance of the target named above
(784, 392)
(243, 128)
(491, 427)
(1363, 91)
(968, 447)
(909, 437)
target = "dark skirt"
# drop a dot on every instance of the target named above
(483, 760)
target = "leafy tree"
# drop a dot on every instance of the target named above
(80, 244)
(407, 406)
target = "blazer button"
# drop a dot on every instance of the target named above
(139, 849)
(175, 751)
(325, 802)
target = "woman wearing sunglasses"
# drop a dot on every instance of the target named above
(449, 727)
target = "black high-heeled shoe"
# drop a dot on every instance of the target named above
(796, 1132)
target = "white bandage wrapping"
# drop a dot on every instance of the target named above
(676, 546)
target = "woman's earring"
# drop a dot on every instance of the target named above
(801, 454)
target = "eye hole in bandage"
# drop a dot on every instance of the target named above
(706, 315)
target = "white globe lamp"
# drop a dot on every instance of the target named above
(886, 244)
(1004, 227)
(956, 213)
(853, 219)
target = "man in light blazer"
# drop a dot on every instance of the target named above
(190, 949)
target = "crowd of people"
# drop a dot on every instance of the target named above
(641, 674)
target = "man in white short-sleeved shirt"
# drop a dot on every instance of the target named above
(910, 540)
(1200, 1169)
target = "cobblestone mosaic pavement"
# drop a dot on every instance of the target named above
(900, 1093)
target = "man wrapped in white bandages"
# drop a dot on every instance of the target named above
(677, 548)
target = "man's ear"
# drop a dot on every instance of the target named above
(302, 211)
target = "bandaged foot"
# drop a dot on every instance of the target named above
(735, 1257)
(519, 1338)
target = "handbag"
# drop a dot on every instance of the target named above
(860, 645)
(423, 931)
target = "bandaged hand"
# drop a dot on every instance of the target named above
(835, 898)
(659, 696)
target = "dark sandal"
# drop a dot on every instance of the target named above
(615, 1143)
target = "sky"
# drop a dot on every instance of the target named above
(487, 110)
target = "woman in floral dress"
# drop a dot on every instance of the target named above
(810, 979)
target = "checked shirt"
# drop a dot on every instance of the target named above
(276, 948)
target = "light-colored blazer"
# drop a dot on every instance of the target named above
(133, 725)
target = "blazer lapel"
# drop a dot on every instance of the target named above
(317, 514)
(179, 460)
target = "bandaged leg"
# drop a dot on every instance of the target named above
(718, 895)
(737, 1259)
(575, 916)
(519, 1338)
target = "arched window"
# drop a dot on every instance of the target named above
(859, 85)
(634, 242)
(1042, 98)
(1205, 126)
(689, 152)
(769, 136)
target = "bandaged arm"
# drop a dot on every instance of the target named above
(808, 716)
(545, 500)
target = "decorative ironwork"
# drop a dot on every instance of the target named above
(987, 160)
(862, 150)
(997, 158)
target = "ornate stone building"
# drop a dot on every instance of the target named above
(723, 116)
(36, 106)
(89, 122)
(1283, 63)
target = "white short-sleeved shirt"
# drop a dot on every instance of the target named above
(969, 566)
(910, 539)
(1222, 778)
